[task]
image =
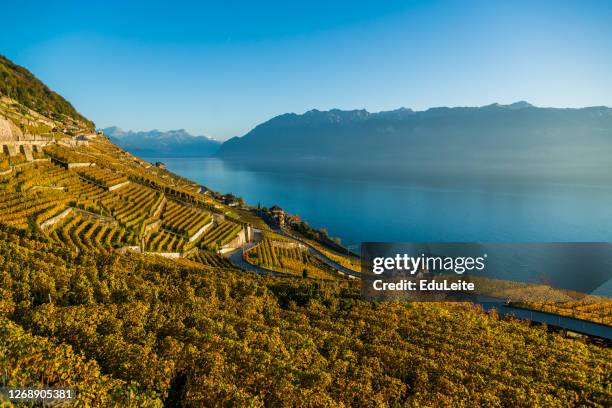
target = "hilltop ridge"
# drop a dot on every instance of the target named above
(19, 84)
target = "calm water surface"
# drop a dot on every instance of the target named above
(374, 210)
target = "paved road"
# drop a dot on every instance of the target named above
(236, 258)
(321, 255)
(564, 322)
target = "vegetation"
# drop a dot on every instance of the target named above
(19, 84)
(219, 235)
(288, 257)
(350, 262)
(184, 220)
(66, 155)
(103, 177)
(211, 259)
(181, 333)
(164, 241)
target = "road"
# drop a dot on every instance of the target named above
(564, 322)
(236, 257)
(320, 255)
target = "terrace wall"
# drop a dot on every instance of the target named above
(201, 231)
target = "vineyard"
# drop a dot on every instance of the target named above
(66, 155)
(20, 209)
(131, 205)
(98, 310)
(38, 192)
(4, 163)
(183, 220)
(210, 259)
(349, 262)
(219, 235)
(287, 258)
(85, 195)
(82, 307)
(144, 321)
(80, 233)
(42, 174)
(103, 177)
(164, 241)
(28, 357)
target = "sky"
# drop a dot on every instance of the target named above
(220, 68)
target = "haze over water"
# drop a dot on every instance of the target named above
(379, 210)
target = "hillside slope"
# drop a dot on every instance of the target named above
(17, 83)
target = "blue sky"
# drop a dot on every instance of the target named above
(220, 68)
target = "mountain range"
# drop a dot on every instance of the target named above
(510, 140)
(172, 143)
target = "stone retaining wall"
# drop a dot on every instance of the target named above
(200, 231)
(54, 220)
(116, 186)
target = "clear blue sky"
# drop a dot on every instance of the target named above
(219, 68)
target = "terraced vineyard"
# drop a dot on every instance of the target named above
(164, 241)
(43, 175)
(129, 329)
(349, 262)
(81, 233)
(210, 259)
(86, 195)
(131, 205)
(219, 235)
(184, 220)
(66, 155)
(289, 258)
(103, 177)
(36, 192)
(21, 209)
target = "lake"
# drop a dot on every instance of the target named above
(359, 210)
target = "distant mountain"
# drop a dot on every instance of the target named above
(515, 140)
(173, 143)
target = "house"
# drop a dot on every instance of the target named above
(205, 190)
(292, 219)
(230, 200)
(278, 215)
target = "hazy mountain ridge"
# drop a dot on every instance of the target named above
(169, 143)
(515, 138)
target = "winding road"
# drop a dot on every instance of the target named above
(236, 257)
(563, 322)
(321, 256)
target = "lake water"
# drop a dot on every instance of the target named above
(374, 210)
